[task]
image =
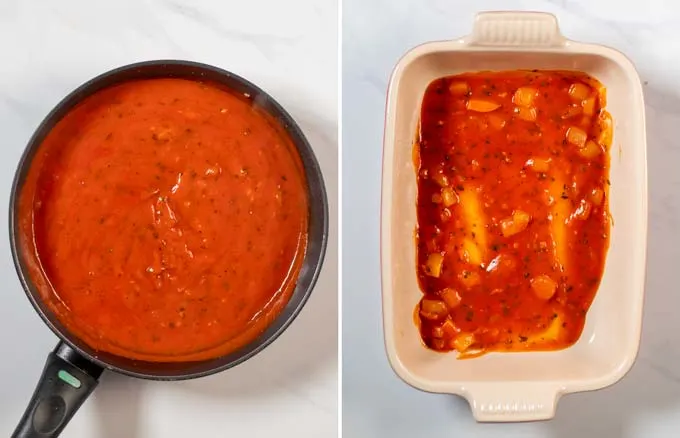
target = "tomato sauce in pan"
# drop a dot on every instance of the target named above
(513, 220)
(166, 220)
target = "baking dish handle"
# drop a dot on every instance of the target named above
(518, 29)
(512, 402)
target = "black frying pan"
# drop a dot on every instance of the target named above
(72, 370)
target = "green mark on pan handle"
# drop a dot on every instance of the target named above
(69, 378)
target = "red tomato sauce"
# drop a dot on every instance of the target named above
(513, 218)
(165, 220)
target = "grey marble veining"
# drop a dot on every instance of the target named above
(289, 49)
(646, 403)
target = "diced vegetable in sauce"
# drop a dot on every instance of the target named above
(433, 267)
(513, 220)
(526, 114)
(482, 106)
(459, 88)
(450, 297)
(577, 136)
(572, 111)
(589, 106)
(544, 287)
(524, 96)
(590, 150)
(469, 279)
(433, 309)
(448, 197)
(579, 91)
(515, 224)
(463, 341)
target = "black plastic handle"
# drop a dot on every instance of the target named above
(67, 380)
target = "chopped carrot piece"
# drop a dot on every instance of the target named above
(448, 197)
(459, 88)
(590, 150)
(544, 287)
(524, 96)
(450, 297)
(470, 279)
(482, 106)
(606, 131)
(433, 309)
(577, 136)
(527, 114)
(578, 92)
(464, 341)
(589, 106)
(433, 268)
(515, 224)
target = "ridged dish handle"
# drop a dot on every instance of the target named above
(525, 29)
(511, 402)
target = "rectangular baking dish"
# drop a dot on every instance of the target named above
(517, 386)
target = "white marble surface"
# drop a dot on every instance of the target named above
(376, 404)
(288, 48)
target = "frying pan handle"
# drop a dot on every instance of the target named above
(67, 380)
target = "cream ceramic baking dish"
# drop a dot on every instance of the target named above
(517, 386)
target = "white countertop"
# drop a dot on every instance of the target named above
(290, 50)
(376, 404)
